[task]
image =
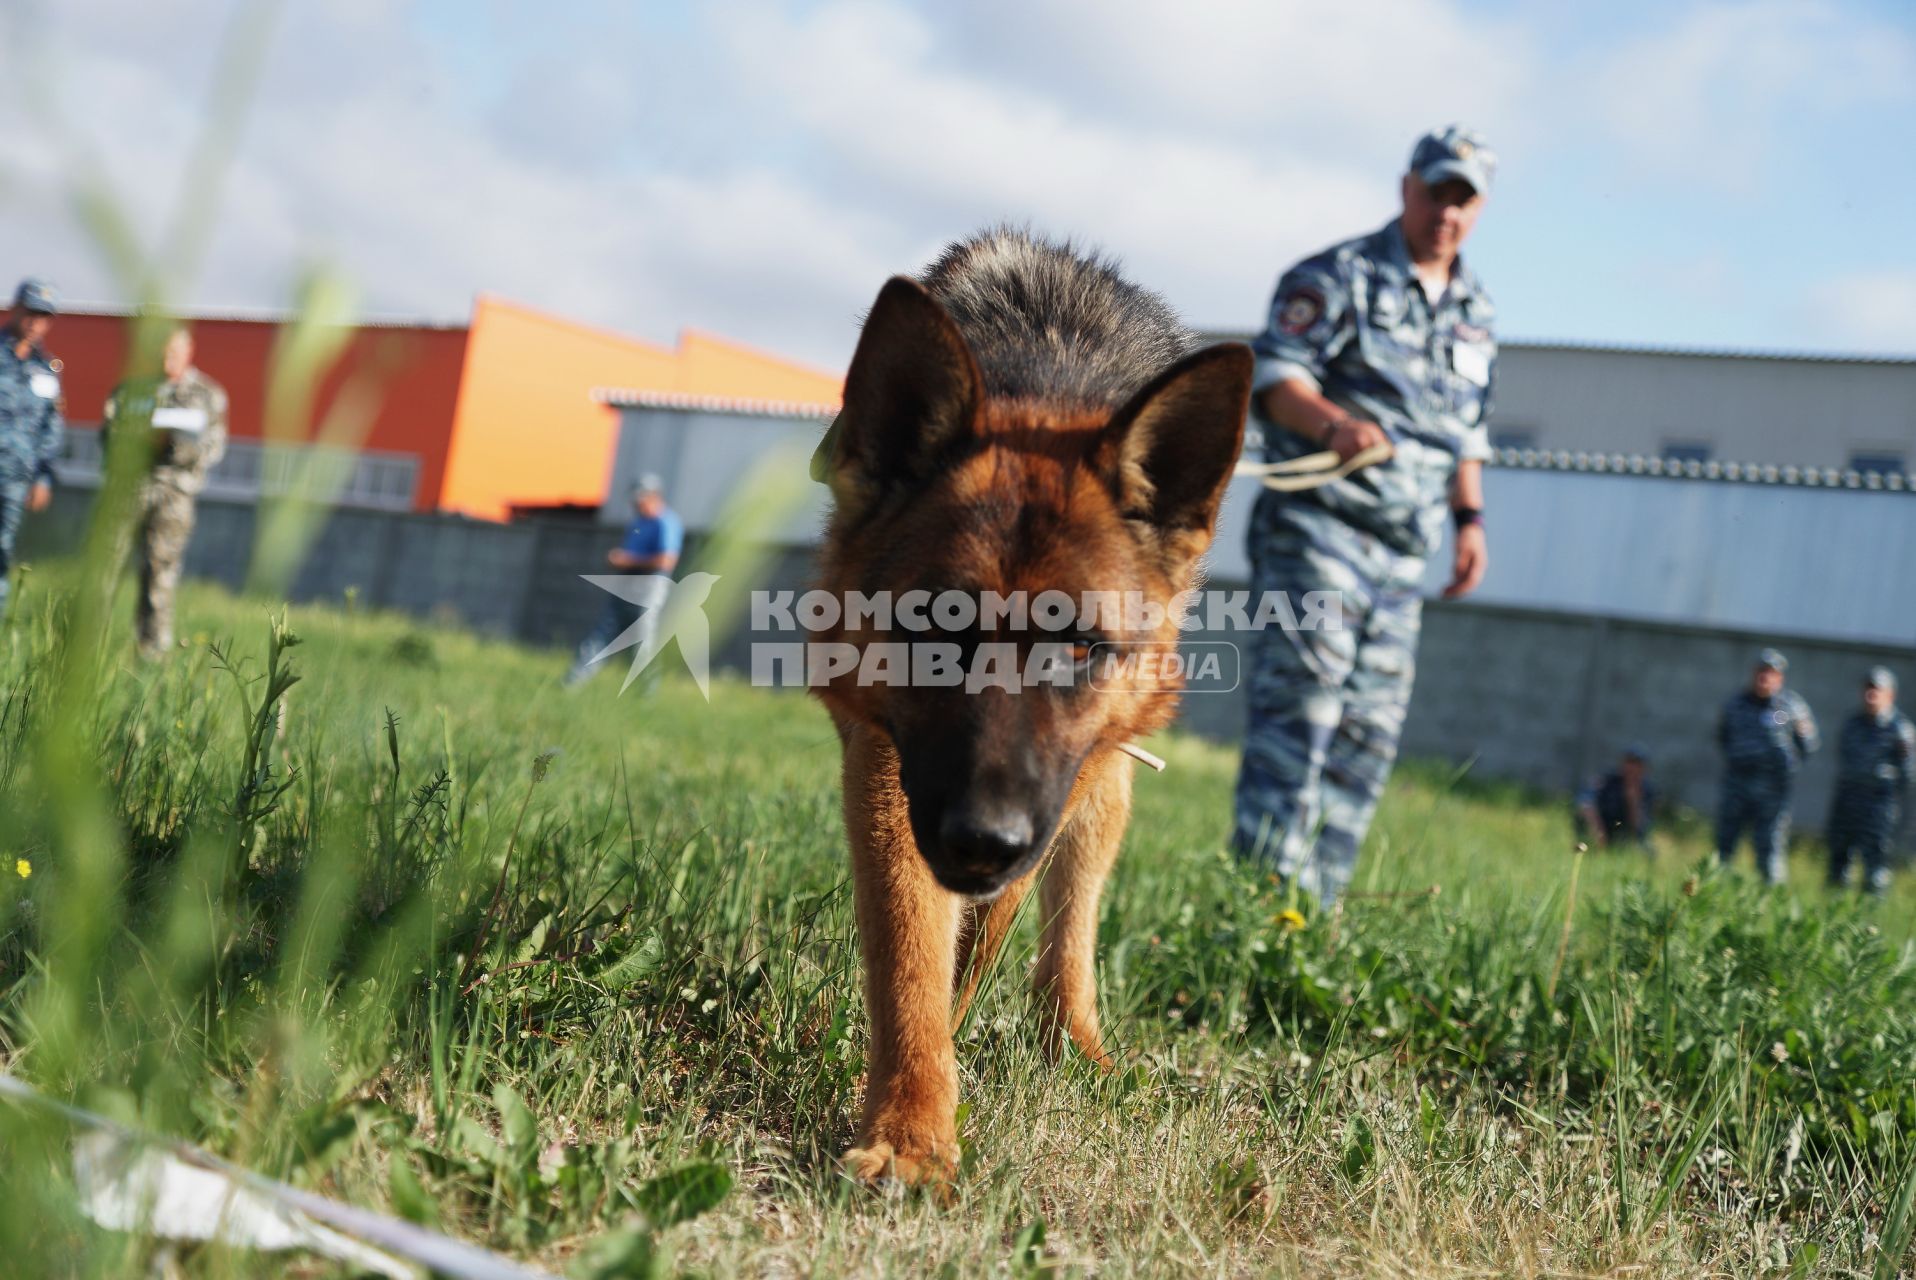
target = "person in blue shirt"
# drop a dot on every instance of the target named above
(649, 551)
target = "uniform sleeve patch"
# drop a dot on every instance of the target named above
(1300, 310)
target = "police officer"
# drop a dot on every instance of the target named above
(1382, 340)
(1875, 756)
(182, 414)
(1621, 804)
(1765, 731)
(31, 427)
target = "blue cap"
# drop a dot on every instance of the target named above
(1637, 751)
(35, 294)
(647, 483)
(1774, 659)
(1881, 678)
(1454, 151)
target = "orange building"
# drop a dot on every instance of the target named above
(471, 418)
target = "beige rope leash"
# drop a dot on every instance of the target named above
(1313, 470)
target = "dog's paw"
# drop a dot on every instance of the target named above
(878, 1161)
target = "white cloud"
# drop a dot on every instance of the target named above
(1722, 91)
(762, 174)
(1872, 311)
(1206, 213)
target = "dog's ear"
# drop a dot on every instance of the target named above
(912, 391)
(1170, 451)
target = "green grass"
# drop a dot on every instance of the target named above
(573, 976)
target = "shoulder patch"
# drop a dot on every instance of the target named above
(1300, 310)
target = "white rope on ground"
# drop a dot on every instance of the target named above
(127, 1177)
(1294, 475)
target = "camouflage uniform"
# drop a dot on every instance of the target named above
(1327, 707)
(31, 431)
(186, 423)
(1764, 741)
(1874, 759)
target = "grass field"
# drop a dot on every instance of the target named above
(573, 976)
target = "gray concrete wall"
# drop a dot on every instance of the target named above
(519, 580)
(1547, 699)
(1527, 694)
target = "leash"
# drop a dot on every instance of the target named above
(1313, 470)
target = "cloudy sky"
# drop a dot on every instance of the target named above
(1716, 174)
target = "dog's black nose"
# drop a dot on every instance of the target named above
(984, 842)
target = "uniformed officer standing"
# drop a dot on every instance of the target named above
(182, 413)
(31, 429)
(1385, 339)
(1875, 757)
(1765, 731)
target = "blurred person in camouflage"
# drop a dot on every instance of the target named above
(1875, 757)
(31, 426)
(1620, 805)
(1385, 340)
(182, 416)
(1765, 732)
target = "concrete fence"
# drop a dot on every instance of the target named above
(1534, 695)
(519, 581)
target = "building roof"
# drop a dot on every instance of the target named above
(1636, 464)
(254, 315)
(1707, 353)
(734, 406)
(1646, 349)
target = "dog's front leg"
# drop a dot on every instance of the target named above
(908, 929)
(1082, 856)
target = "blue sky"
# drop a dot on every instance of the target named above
(1712, 175)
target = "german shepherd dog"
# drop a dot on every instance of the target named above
(1017, 419)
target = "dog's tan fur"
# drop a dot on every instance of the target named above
(932, 474)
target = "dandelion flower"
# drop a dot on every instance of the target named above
(22, 868)
(1290, 917)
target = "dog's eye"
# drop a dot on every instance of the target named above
(1081, 647)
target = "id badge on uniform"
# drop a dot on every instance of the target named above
(44, 385)
(189, 421)
(1471, 364)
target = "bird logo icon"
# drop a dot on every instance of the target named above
(668, 610)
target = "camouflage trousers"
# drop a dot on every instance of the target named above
(1759, 802)
(1862, 825)
(13, 505)
(165, 527)
(1326, 706)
